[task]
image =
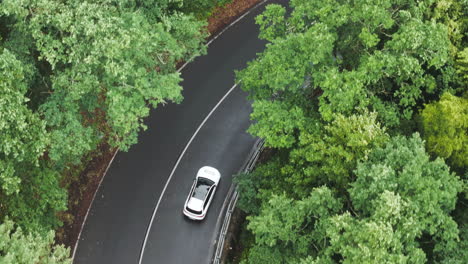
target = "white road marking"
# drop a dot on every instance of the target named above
(175, 167)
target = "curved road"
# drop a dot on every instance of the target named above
(207, 128)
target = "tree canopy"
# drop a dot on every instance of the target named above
(445, 128)
(400, 201)
(340, 95)
(18, 247)
(78, 76)
(386, 56)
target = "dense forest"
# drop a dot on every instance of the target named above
(76, 75)
(363, 106)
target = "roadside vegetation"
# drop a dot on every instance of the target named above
(78, 78)
(364, 106)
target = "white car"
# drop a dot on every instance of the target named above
(202, 192)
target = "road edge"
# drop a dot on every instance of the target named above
(90, 205)
(231, 199)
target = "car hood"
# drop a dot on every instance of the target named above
(209, 173)
(195, 204)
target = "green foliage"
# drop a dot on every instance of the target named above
(104, 59)
(201, 8)
(18, 247)
(383, 56)
(400, 201)
(71, 139)
(23, 138)
(330, 155)
(323, 155)
(271, 22)
(387, 236)
(462, 64)
(76, 75)
(333, 79)
(286, 228)
(404, 168)
(278, 123)
(261, 184)
(459, 255)
(452, 13)
(445, 126)
(35, 206)
(30, 191)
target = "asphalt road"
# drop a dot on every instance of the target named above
(120, 215)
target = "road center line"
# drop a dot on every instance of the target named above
(175, 167)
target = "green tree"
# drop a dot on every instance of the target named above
(258, 186)
(331, 155)
(108, 59)
(91, 71)
(23, 138)
(74, 75)
(384, 56)
(399, 204)
(324, 154)
(287, 229)
(462, 64)
(30, 191)
(333, 79)
(445, 126)
(387, 236)
(18, 247)
(38, 201)
(429, 189)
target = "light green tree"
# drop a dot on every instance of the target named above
(18, 247)
(386, 236)
(323, 154)
(445, 128)
(329, 156)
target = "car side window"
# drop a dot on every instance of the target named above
(208, 197)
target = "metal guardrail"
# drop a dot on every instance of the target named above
(248, 166)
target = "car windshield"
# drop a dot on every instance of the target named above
(202, 188)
